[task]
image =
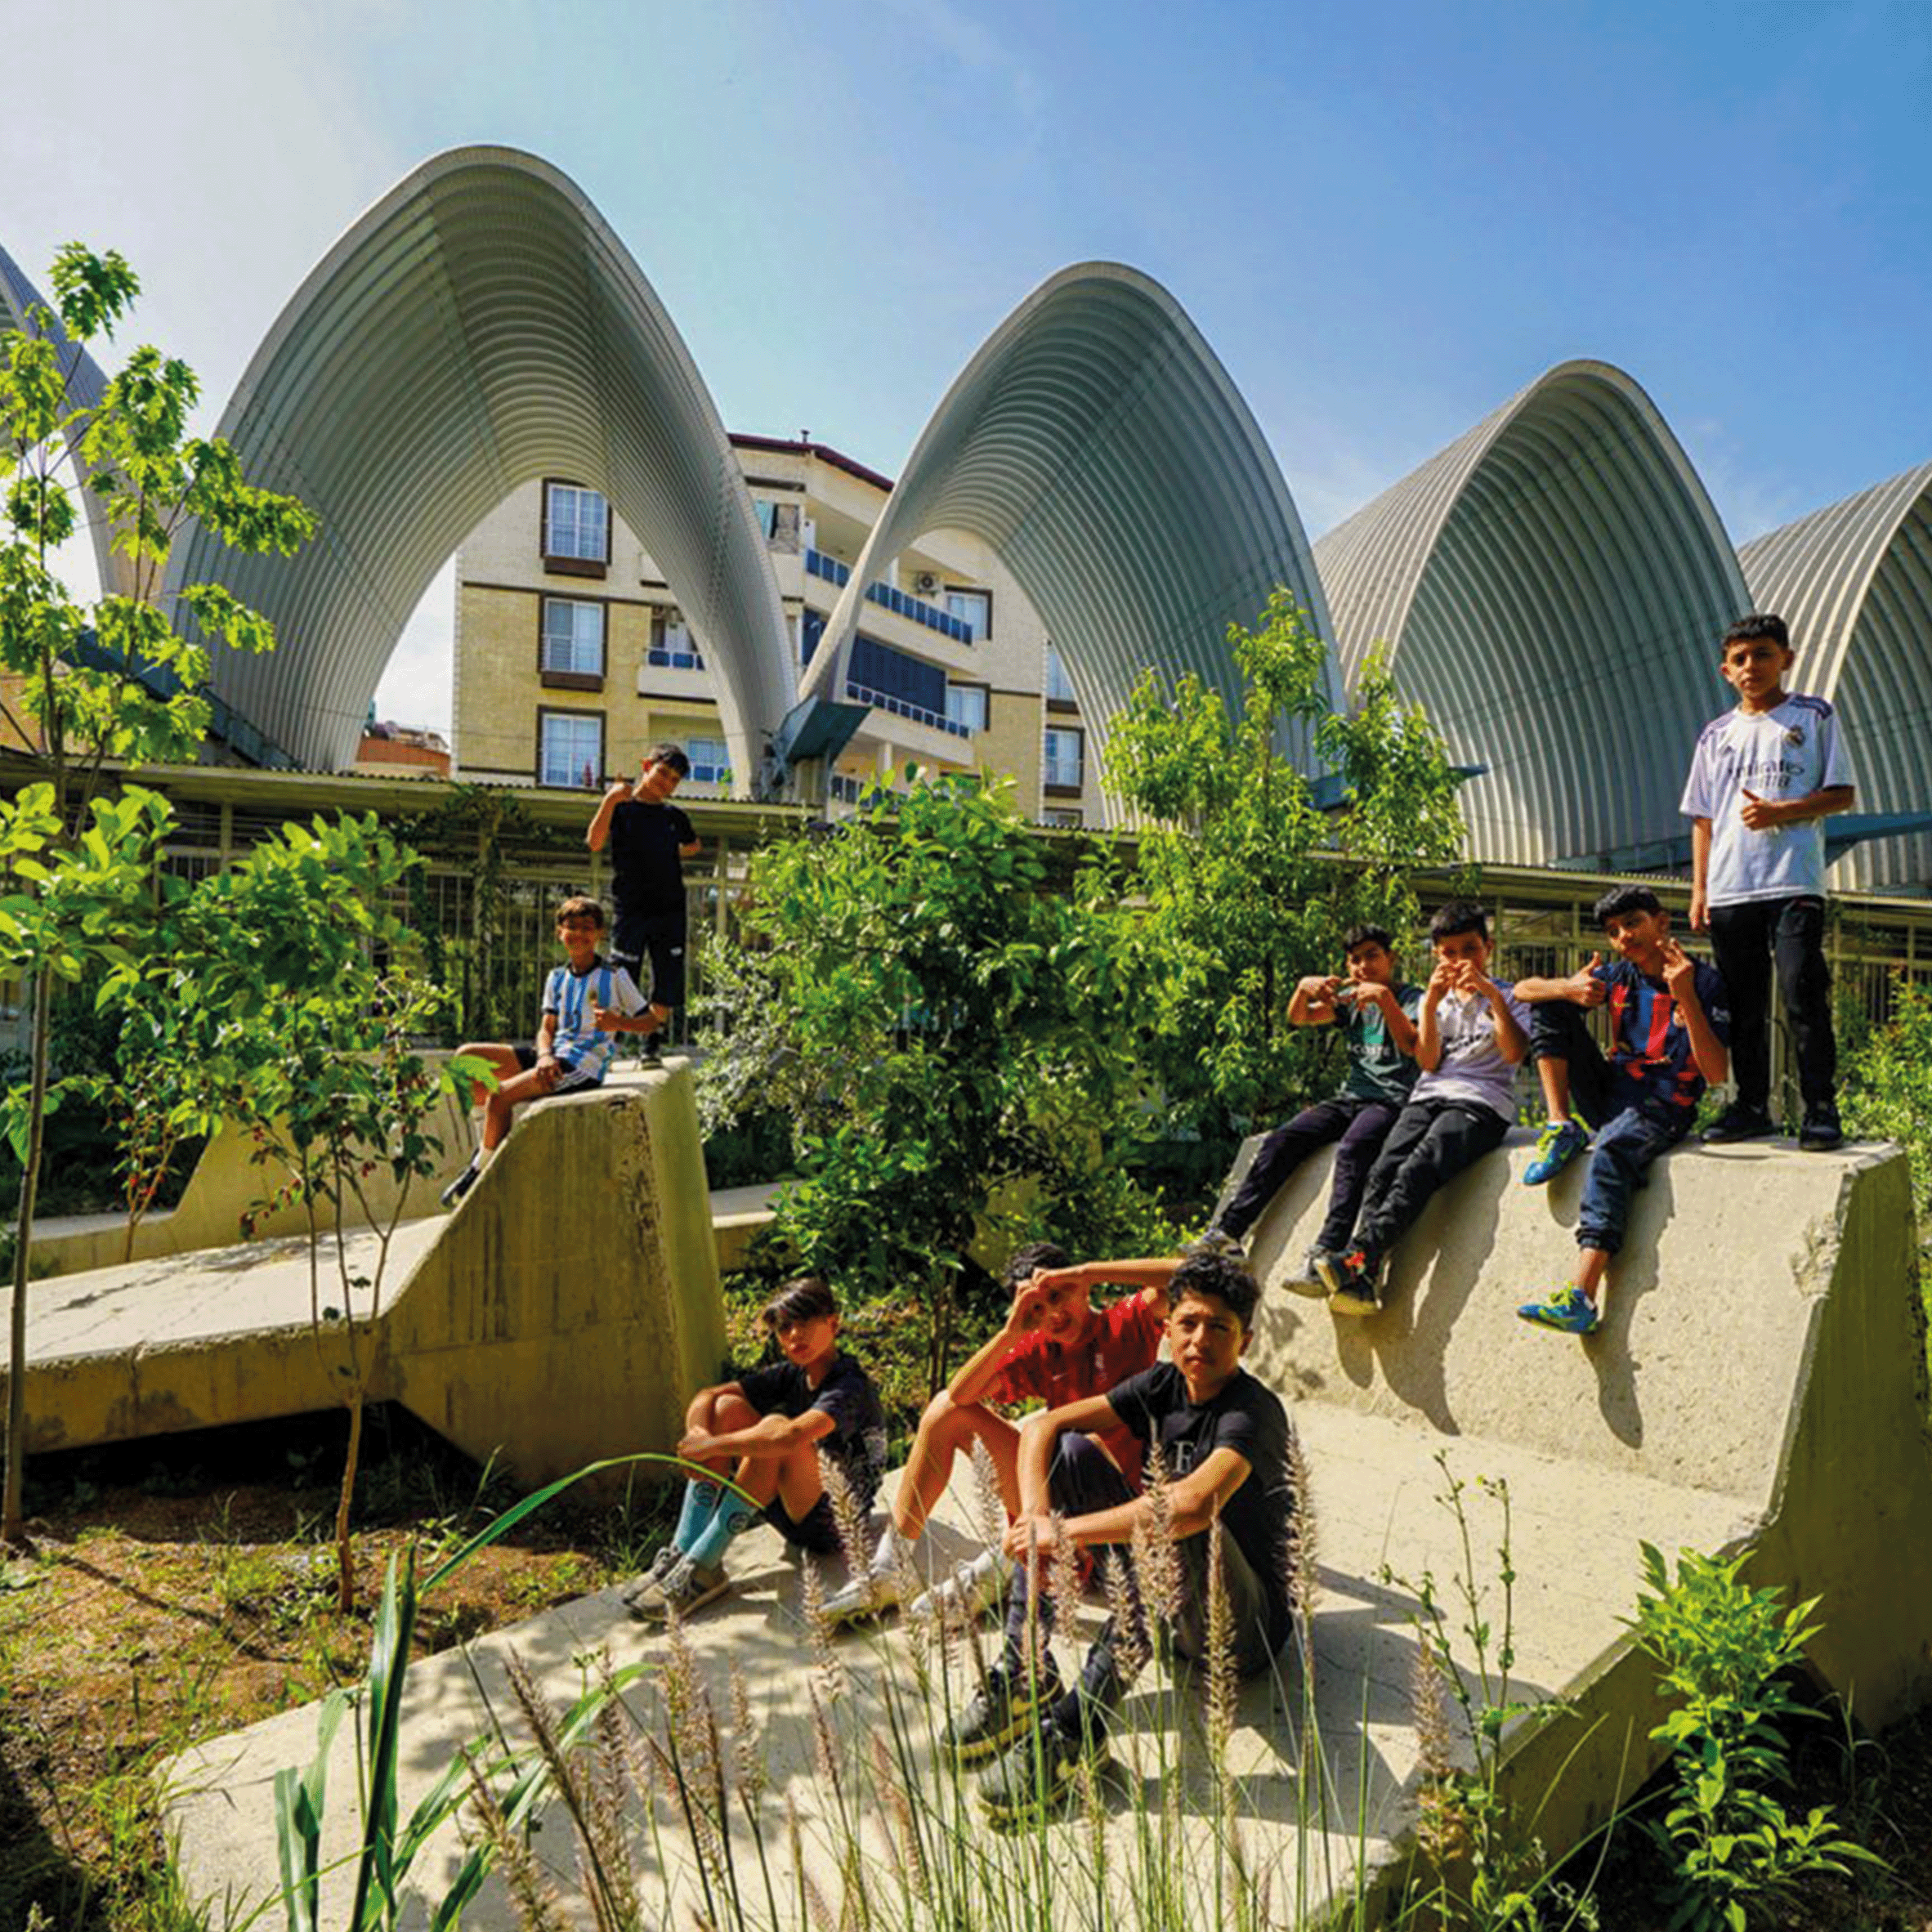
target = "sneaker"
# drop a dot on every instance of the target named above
(868, 1595)
(1218, 1241)
(1557, 1145)
(998, 1713)
(1352, 1288)
(1308, 1279)
(1035, 1776)
(972, 1590)
(686, 1587)
(648, 1055)
(666, 1560)
(1569, 1311)
(1738, 1122)
(1821, 1132)
(461, 1185)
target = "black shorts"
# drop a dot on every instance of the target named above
(634, 938)
(573, 1080)
(818, 1533)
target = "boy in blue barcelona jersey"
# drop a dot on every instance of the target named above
(1376, 1011)
(1669, 1030)
(586, 1001)
(1763, 780)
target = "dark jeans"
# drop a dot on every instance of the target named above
(1358, 1127)
(1431, 1143)
(1744, 941)
(1081, 1481)
(1629, 1136)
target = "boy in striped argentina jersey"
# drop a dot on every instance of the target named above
(1670, 1036)
(587, 1002)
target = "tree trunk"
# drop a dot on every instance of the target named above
(345, 1556)
(12, 1524)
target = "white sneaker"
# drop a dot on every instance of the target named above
(972, 1590)
(864, 1596)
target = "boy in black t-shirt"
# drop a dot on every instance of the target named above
(649, 839)
(776, 1422)
(1224, 1439)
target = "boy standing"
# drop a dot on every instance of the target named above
(1055, 1347)
(1377, 1015)
(1223, 1439)
(1668, 1031)
(586, 1001)
(1761, 779)
(1472, 1032)
(649, 839)
(774, 1423)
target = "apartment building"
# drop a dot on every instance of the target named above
(571, 656)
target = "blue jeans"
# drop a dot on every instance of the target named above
(1630, 1134)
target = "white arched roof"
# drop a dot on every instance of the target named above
(1853, 583)
(1552, 587)
(480, 326)
(1098, 446)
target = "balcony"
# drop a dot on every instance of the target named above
(915, 610)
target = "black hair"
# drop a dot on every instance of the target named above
(1368, 935)
(581, 905)
(803, 1299)
(1621, 900)
(1222, 1277)
(668, 754)
(1759, 623)
(1030, 1259)
(1459, 915)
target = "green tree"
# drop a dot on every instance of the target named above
(946, 1022)
(120, 683)
(1251, 869)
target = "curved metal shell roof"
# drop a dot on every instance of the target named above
(1098, 446)
(1551, 586)
(1854, 583)
(480, 326)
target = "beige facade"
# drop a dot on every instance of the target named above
(567, 666)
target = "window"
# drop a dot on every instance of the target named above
(1065, 755)
(1059, 687)
(672, 645)
(1061, 815)
(782, 524)
(906, 685)
(570, 748)
(966, 706)
(572, 646)
(576, 530)
(710, 763)
(974, 609)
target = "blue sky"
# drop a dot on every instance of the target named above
(1384, 218)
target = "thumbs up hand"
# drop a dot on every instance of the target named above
(1586, 987)
(1759, 814)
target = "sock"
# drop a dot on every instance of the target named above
(885, 1557)
(733, 1517)
(702, 1497)
(485, 1156)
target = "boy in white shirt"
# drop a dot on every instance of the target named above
(1763, 779)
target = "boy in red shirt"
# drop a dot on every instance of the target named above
(1056, 1348)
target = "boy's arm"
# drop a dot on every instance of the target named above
(1040, 1434)
(1312, 1003)
(1193, 1503)
(1402, 1029)
(1428, 1036)
(1700, 904)
(1511, 1041)
(979, 1370)
(1762, 815)
(600, 824)
(1680, 976)
(1581, 988)
(770, 1435)
(547, 1036)
(1149, 1275)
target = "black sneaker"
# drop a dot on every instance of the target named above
(1309, 1278)
(1821, 1132)
(1738, 1122)
(1219, 1242)
(1006, 1707)
(648, 1055)
(1036, 1775)
(1352, 1283)
(461, 1185)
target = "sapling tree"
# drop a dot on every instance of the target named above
(87, 690)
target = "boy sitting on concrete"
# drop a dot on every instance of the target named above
(1055, 1347)
(1376, 1013)
(1471, 1034)
(774, 1423)
(1669, 1030)
(1224, 1439)
(586, 1001)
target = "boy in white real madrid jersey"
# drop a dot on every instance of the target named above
(1763, 780)
(587, 1002)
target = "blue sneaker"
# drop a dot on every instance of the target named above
(1557, 1145)
(1569, 1311)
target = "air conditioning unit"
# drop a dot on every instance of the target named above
(925, 584)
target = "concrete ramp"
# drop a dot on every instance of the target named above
(1760, 1384)
(563, 1312)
